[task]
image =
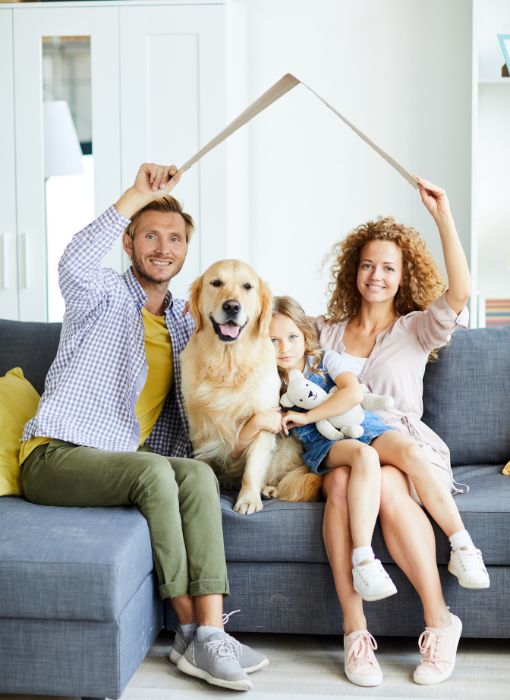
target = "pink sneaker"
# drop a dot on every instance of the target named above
(438, 647)
(361, 666)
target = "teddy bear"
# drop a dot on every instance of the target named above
(304, 393)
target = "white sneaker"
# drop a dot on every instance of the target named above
(467, 565)
(372, 582)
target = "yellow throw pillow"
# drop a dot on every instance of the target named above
(18, 403)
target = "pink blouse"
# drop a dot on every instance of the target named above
(396, 367)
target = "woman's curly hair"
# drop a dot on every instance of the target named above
(421, 281)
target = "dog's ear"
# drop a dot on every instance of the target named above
(266, 308)
(194, 296)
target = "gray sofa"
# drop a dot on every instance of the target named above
(78, 607)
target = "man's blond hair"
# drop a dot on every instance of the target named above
(164, 204)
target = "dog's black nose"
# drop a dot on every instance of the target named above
(231, 307)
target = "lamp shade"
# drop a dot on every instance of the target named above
(62, 152)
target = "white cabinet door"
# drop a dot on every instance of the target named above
(8, 257)
(173, 90)
(160, 88)
(31, 23)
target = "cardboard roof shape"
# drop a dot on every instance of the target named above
(279, 89)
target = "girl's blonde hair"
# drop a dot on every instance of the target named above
(421, 281)
(287, 306)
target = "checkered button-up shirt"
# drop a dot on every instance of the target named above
(100, 367)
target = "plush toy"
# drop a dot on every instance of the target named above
(306, 394)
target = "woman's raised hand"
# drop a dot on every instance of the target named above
(457, 269)
(434, 198)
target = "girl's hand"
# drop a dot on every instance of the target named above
(269, 420)
(294, 419)
(435, 200)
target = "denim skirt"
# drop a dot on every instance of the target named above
(316, 447)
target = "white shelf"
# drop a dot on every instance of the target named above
(490, 153)
(495, 81)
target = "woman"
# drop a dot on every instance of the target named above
(388, 313)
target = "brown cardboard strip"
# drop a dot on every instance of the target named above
(280, 88)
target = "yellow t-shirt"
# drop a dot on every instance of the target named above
(160, 375)
(29, 446)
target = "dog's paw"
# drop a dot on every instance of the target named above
(248, 503)
(270, 491)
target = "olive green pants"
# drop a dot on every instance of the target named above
(178, 497)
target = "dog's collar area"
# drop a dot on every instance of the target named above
(227, 332)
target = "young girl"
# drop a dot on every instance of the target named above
(296, 347)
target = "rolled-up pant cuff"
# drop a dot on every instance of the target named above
(207, 586)
(174, 589)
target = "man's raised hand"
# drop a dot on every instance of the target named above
(156, 179)
(152, 182)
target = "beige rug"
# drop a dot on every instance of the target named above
(311, 667)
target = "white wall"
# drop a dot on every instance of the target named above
(401, 71)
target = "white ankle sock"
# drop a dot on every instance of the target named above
(359, 554)
(460, 539)
(204, 631)
(188, 630)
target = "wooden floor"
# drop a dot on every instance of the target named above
(311, 667)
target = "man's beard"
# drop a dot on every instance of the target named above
(154, 281)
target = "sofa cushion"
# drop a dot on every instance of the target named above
(31, 346)
(288, 532)
(70, 563)
(18, 403)
(459, 396)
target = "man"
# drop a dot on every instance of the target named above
(111, 429)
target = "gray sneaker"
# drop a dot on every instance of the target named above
(215, 660)
(181, 643)
(249, 659)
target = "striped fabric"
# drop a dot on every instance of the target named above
(497, 312)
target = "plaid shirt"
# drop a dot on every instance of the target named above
(100, 367)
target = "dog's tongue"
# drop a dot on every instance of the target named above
(229, 329)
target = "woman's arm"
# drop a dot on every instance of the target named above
(457, 270)
(348, 394)
(269, 420)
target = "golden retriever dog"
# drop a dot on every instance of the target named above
(228, 374)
